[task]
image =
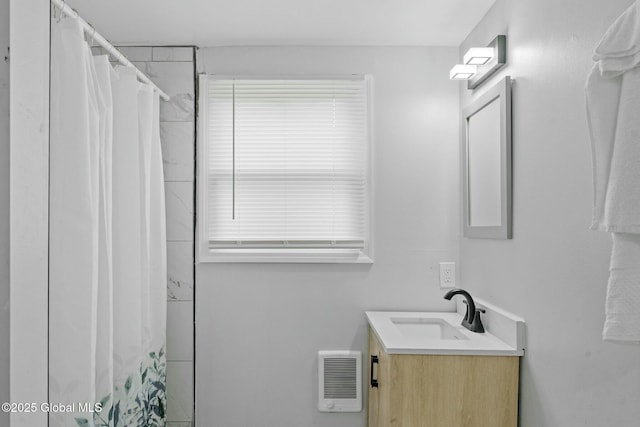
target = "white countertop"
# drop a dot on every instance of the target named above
(485, 344)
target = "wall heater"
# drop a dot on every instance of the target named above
(339, 381)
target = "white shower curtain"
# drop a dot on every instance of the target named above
(107, 280)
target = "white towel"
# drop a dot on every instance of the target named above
(603, 97)
(623, 291)
(613, 108)
(619, 48)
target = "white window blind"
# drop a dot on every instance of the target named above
(286, 163)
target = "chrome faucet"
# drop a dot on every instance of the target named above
(472, 320)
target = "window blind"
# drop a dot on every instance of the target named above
(286, 163)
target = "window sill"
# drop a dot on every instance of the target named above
(314, 256)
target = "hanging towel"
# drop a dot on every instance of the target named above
(613, 107)
(619, 48)
(623, 291)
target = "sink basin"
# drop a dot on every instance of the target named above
(442, 333)
(426, 328)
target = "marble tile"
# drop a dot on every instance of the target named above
(180, 108)
(180, 271)
(178, 150)
(176, 79)
(180, 331)
(179, 205)
(136, 53)
(161, 54)
(179, 391)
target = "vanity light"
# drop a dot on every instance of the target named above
(478, 55)
(462, 72)
(480, 63)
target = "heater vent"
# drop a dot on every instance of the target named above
(339, 380)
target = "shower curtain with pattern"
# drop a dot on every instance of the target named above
(107, 274)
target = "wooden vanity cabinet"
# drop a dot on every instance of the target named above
(441, 390)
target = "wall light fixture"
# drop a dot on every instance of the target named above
(478, 55)
(480, 63)
(462, 72)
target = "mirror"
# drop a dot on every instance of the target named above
(487, 164)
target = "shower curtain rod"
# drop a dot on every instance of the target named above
(91, 32)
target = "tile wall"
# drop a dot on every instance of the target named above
(172, 69)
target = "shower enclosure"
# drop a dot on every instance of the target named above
(88, 246)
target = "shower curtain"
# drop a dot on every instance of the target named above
(107, 274)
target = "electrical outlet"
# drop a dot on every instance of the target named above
(447, 275)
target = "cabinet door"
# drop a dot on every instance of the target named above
(374, 372)
(442, 391)
(460, 391)
(380, 396)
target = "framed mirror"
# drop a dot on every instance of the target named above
(487, 164)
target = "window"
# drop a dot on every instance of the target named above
(284, 170)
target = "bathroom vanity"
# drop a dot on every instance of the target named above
(425, 370)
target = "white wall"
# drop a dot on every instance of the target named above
(554, 271)
(4, 208)
(28, 205)
(259, 326)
